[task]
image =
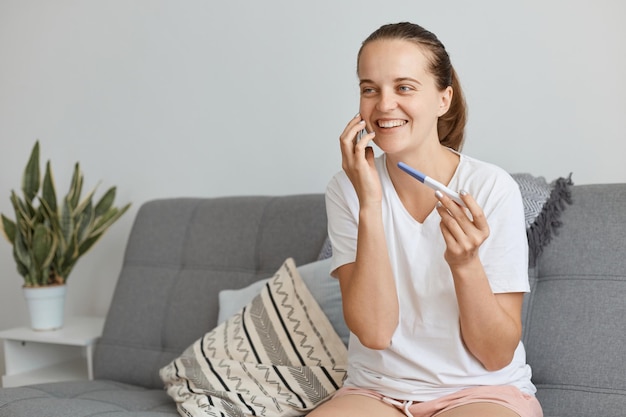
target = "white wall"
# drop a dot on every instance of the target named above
(207, 98)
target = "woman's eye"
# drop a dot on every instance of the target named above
(367, 90)
(404, 88)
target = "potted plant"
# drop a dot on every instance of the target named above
(50, 235)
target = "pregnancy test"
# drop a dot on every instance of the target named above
(434, 184)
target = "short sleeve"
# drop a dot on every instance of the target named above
(505, 252)
(342, 212)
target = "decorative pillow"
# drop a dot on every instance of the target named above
(316, 275)
(232, 301)
(278, 356)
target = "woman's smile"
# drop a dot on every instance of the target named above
(390, 123)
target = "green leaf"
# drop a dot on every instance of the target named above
(48, 191)
(21, 268)
(106, 202)
(24, 211)
(22, 256)
(102, 224)
(67, 221)
(8, 227)
(51, 217)
(86, 202)
(85, 222)
(32, 177)
(88, 243)
(44, 246)
(66, 261)
(105, 221)
(76, 187)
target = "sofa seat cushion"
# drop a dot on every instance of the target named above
(85, 398)
(279, 356)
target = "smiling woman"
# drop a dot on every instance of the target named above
(432, 289)
(451, 125)
(399, 94)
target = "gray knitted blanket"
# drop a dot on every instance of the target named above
(543, 205)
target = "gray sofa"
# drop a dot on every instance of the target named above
(182, 252)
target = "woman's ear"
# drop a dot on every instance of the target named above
(445, 101)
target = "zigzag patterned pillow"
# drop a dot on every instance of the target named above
(279, 356)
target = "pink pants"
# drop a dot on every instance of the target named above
(508, 396)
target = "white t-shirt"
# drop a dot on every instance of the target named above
(427, 358)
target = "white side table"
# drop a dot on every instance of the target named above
(32, 357)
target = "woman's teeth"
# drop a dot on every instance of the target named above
(390, 123)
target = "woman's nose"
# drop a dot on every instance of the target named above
(386, 102)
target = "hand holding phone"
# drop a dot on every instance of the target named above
(361, 133)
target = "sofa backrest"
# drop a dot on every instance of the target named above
(575, 327)
(180, 254)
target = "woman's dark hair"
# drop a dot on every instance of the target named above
(450, 126)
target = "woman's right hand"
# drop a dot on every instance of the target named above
(369, 295)
(357, 160)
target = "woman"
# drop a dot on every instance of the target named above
(432, 291)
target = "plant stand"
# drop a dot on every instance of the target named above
(63, 355)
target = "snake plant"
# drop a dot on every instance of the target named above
(49, 236)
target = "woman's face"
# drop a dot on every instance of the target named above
(400, 100)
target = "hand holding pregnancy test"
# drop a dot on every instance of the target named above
(432, 183)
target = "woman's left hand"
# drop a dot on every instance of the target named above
(463, 232)
(491, 324)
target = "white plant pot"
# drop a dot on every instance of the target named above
(46, 306)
